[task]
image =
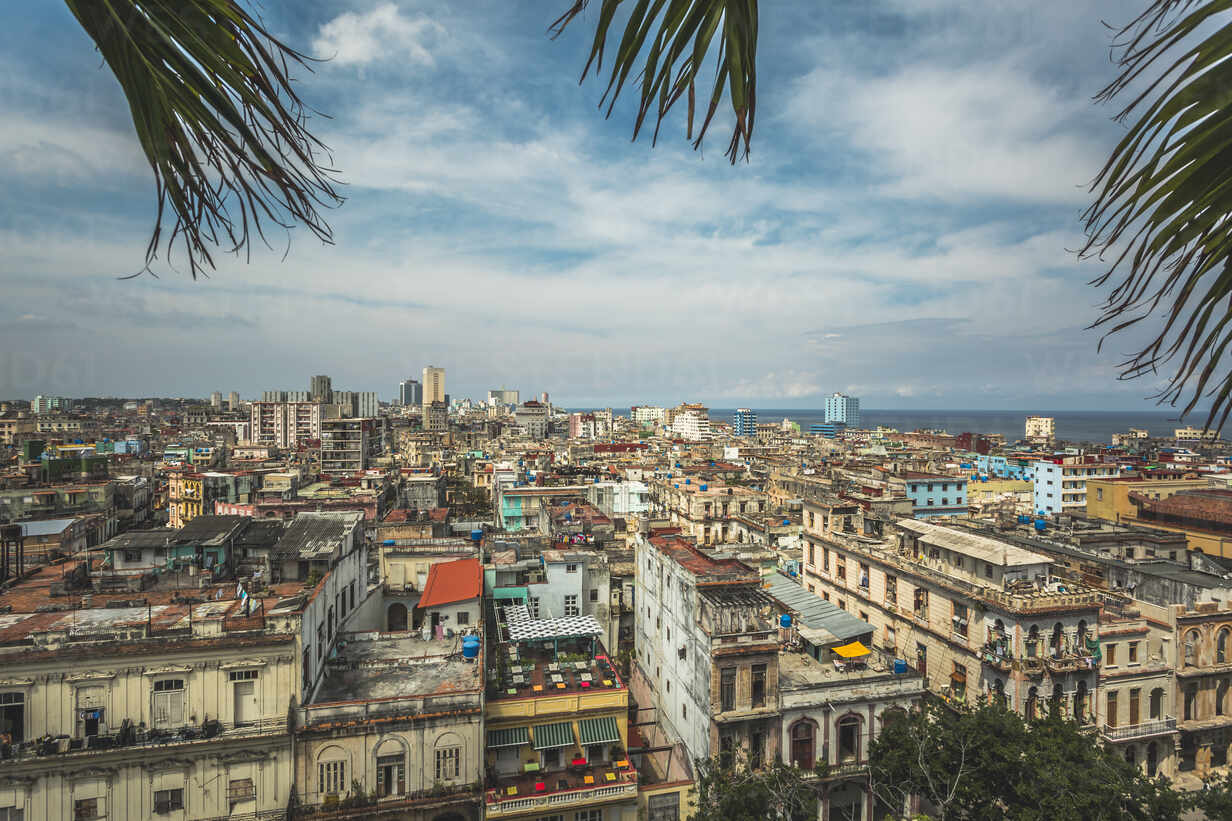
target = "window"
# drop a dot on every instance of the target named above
(447, 763)
(1191, 648)
(87, 808)
(168, 800)
(1110, 711)
(532, 606)
(12, 814)
(1157, 703)
(891, 589)
(802, 754)
(1221, 646)
(849, 739)
(727, 689)
(390, 775)
(594, 594)
(331, 777)
(588, 815)
(169, 702)
(759, 685)
(864, 576)
(571, 568)
(243, 675)
(684, 711)
(1133, 652)
(960, 619)
(571, 605)
(463, 617)
(825, 559)
(241, 789)
(840, 567)
(812, 547)
(664, 807)
(757, 750)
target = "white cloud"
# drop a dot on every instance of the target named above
(357, 39)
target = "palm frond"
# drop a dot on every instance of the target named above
(1163, 201)
(224, 131)
(683, 31)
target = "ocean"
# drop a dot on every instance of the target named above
(1072, 426)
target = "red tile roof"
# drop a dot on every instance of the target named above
(452, 582)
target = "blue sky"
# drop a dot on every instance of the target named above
(900, 231)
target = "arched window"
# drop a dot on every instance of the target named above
(849, 739)
(1080, 703)
(1221, 646)
(1191, 702)
(1057, 643)
(998, 693)
(1131, 754)
(1054, 703)
(1152, 759)
(1032, 705)
(802, 744)
(1033, 641)
(448, 754)
(390, 756)
(1221, 698)
(333, 771)
(396, 617)
(1157, 703)
(1191, 648)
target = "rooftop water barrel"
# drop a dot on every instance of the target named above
(900, 667)
(688, 481)
(476, 535)
(704, 487)
(676, 485)
(470, 650)
(785, 620)
(787, 521)
(389, 542)
(1040, 525)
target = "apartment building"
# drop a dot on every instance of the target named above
(191, 494)
(532, 418)
(935, 494)
(347, 444)
(1061, 482)
(704, 510)
(557, 723)
(973, 615)
(1041, 428)
(285, 424)
(690, 422)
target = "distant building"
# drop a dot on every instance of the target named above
(1041, 428)
(646, 415)
(829, 430)
(320, 388)
(745, 422)
(367, 404)
(285, 424)
(347, 444)
(532, 417)
(51, 404)
(433, 385)
(435, 417)
(286, 396)
(936, 495)
(233, 401)
(690, 421)
(216, 400)
(845, 409)
(1061, 482)
(410, 392)
(503, 397)
(1191, 434)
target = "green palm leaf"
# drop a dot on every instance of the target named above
(1161, 213)
(224, 132)
(683, 33)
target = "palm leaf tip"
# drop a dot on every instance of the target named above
(226, 135)
(666, 42)
(1163, 201)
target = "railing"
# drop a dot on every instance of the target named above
(497, 808)
(50, 746)
(1141, 730)
(368, 806)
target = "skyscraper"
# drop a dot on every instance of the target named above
(233, 401)
(845, 409)
(745, 422)
(216, 400)
(410, 392)
(320, 388)
(433, 384)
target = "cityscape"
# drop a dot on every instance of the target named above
(688, 410)
(327, 604)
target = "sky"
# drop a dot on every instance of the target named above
(903, 231)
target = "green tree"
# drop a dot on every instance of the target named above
(1214, 800)
(728, 789)
(982, 763)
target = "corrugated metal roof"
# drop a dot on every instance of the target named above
(550, 736)
(815, 612)
(45, 527)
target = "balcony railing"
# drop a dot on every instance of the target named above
(1143, 729)
(54, 746)
(497, 808)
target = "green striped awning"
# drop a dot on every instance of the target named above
(509, 737)
(598, 731)
(550, 736)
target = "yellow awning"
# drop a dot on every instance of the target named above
(853, 650)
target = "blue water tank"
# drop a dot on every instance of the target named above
(1040, 525)
(705, 486)
(900, 667)
(676, 485)
(476, 535)
(470, 651)
(389, 542)
(688, 481)
(785, 620)
(596, 480)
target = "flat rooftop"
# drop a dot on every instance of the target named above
(685, 553)
(381, 666)
(993, 551)
(800, 671)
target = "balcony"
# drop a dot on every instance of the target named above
(549, 792)
(368, 807)
(1158, 726)
(130, 739)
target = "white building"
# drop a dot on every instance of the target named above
(691, 422)
(1043, 428)
(646, 415)
(845, 409)
(1061, 485)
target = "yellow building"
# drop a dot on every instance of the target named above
(1109, 499)
(557, 724)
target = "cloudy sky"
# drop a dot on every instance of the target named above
(902, 231)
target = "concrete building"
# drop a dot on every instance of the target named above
(1061, 482)
(845, 409)
(704, 510)
(347, 445)
(410, 393)
(647, 416)
(502, 396)
(933, 494)
(216, 400)
(690, 422)
(744, 422)
(286, 424)
(320, 388)
(433, 385)
(533, 418)
(435, 417)
(51, 404)
(233, 401)
(1041, 429)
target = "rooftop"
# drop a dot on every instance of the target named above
(706, 568)
(815, 613)
(993, 551)
(316, 535)
(448, 582)
(371, 666)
